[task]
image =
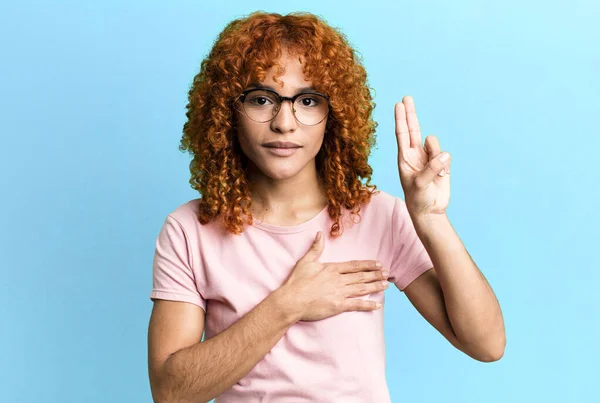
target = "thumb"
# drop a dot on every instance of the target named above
(315, 249)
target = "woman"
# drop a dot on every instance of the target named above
(284, 259)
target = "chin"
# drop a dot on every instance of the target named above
(276, 168)
(281, 169)
(281, 174)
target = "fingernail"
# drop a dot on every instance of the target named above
(378, 264)
(444, 157)
(385, 273)
(442, 173)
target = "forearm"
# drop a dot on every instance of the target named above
(205, 370)
(472, 307)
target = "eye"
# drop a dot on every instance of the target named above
(308, 101)
(259, 100)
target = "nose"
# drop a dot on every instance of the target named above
(284, 120)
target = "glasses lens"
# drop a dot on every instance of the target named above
(262, 106)
(311, 109)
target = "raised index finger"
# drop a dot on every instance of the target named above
(354, 266)
(402, 134)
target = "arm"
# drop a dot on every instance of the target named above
(182, 369)
(455, 296)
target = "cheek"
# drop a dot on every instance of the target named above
(242, 139)
(243, 130)
(246, 147)
(318, 142)
(245, 139)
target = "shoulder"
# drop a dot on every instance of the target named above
(184, 218)
(386, 210)
(186, 213)
(383, 203)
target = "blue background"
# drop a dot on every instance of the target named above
(92, 106)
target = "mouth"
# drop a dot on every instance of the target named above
(281, 145)
(282, 148)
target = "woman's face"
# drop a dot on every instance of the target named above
(254, 137)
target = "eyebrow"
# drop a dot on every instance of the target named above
(259, 85)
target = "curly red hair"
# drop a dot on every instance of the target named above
(242, 53)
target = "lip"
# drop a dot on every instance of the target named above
(282, 151)
(281, 144)
(282, 148)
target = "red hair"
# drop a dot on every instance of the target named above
(242, 53)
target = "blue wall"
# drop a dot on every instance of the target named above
(91, 111)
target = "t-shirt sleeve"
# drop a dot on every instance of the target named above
(172, 270)
(410, 258)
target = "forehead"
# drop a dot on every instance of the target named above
(287, 75)
(278, 89)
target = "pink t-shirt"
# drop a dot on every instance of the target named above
(338, 359)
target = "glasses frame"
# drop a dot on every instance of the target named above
(242, 99)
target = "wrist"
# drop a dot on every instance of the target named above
(428, 221)
(286, 305)
(433, 230)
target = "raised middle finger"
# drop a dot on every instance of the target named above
(414, 129)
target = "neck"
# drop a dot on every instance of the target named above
(287, 196)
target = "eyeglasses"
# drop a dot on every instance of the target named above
(263, 104)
